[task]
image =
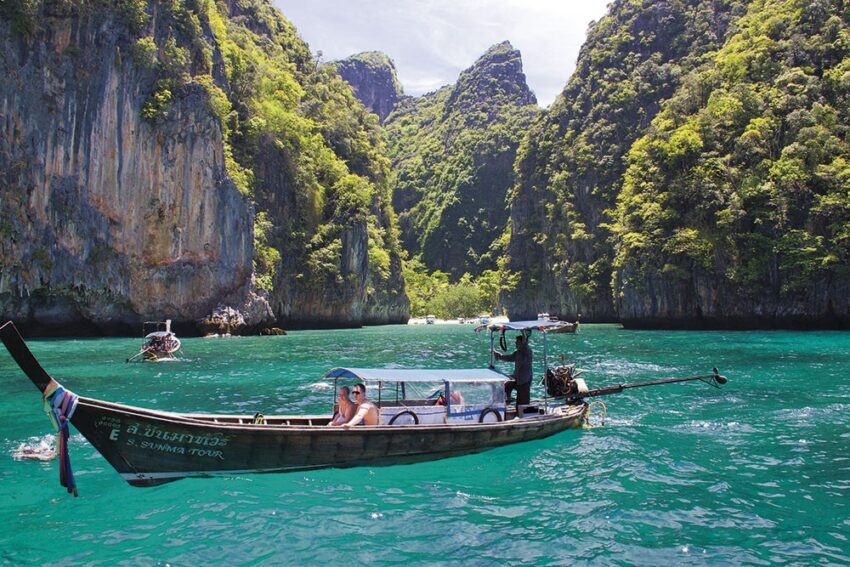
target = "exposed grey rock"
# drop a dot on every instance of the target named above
(109, 219)
(372, 76)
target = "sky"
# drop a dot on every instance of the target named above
(432, 41)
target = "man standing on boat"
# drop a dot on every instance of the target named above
(522, 359)
(367, 412)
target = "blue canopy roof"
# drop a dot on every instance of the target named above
(483, 375)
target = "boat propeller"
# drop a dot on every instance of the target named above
(718, 380)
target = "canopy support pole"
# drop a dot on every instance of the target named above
(492, 352)
(545, 369)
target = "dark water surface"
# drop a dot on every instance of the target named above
(755, 473)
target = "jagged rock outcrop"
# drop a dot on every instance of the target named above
(453, 153)
(373, 77)
(251, 316)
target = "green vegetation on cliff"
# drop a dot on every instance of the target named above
(296, 140)
(433, 293)
(570, 168)
(453, 152)
(744, 179)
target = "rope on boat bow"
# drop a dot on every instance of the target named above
(59, 405)
(602, 412)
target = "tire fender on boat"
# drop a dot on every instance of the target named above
(488, 411)
(405, 412)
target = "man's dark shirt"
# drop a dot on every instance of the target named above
(522, 363)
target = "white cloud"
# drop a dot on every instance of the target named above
(432, 41)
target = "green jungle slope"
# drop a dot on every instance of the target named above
(452, 157)
(735, 207)
(570, 167)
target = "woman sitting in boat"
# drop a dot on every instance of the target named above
(346, 407)
(367, 412)
(456, 398)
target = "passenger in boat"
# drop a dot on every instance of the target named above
(456, 398)
(521, 382)
(367, 412)
(346, 407)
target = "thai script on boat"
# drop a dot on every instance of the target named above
(154, 432)
(108, 422)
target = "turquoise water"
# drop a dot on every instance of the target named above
(755, 473)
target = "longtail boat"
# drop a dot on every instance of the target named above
(149, 447)
(567, 327)
(159, 343)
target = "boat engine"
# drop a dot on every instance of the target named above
(563, 381)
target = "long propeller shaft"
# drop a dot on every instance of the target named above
(714, 379)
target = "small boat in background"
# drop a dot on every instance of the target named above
(567, 327)
(430, 319)
(159, 343)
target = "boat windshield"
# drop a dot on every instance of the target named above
(538, 325)
(427, 386)
(459, 393)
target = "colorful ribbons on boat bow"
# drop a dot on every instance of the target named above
(59, 405)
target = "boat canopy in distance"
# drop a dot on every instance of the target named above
(159, 334)
(481, 376)
(538, 325)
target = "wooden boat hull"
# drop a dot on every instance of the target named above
(149, 448)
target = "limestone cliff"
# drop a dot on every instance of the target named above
(138, 143)
(735, 206)
(107, 219)
(570, 168)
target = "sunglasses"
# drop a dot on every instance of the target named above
(357, 392)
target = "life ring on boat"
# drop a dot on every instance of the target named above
(484, 419)
(405, 413)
